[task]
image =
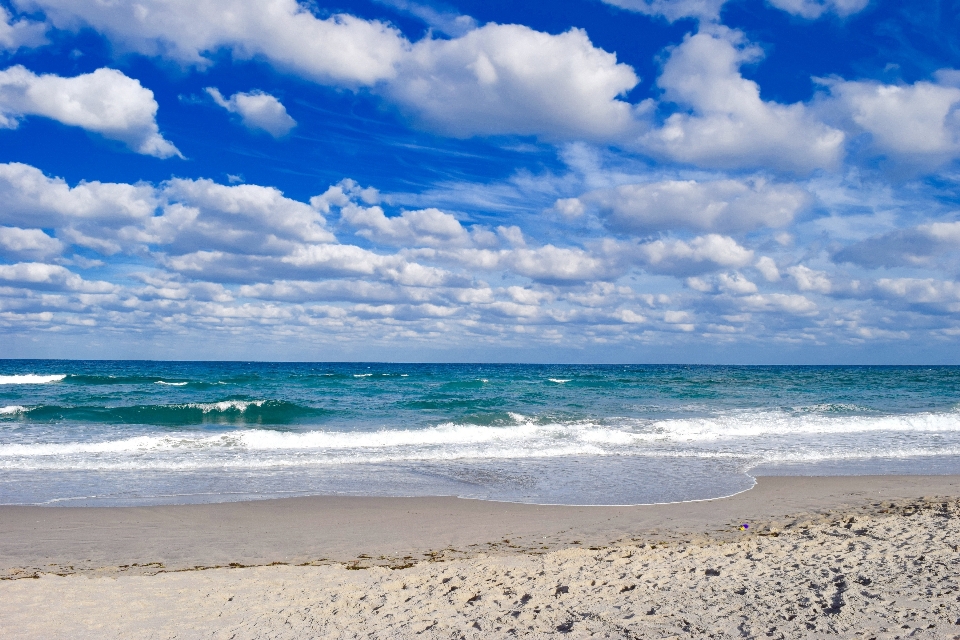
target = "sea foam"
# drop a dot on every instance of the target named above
(32, 378)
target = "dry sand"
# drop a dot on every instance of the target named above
(823, 557)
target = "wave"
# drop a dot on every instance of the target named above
(101, 380)
(172, 384)
(745, 439)
(769, 430)
(228, 412)
(12, 410)
(784, 423)
(447, 435)
(32, 378)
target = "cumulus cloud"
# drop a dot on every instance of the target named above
(241, 233)
(767, 267)
(728, 124)
(808, 279)
(918, 123)
(719, 205)
(812, 9)
(28, 243)
(793, 304)
(496, 79)
(700, 255)
(257, 110)
(510, 79)
(341, 49)
(448, 22)
(916, 246)
(735, 283)
(180, 215)
(673, 9)
(50, 276)
(924, 291)
(244, 218)
(342, 194)
(15, 34)
(246, 258)
(105, 102)
(423, 228)
(31, 199)
(557, 264)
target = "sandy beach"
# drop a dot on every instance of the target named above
(873, 556)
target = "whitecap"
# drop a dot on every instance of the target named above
(12, 410)
(226, 405)
(32, 378)
(172, 384)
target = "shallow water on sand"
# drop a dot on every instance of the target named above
(100, 432)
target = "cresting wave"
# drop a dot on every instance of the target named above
(803, 423)
(12, 410)
(443, 436)
(238, 412)
(751, 437)
(32, 378)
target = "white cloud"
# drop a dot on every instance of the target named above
(20, 33)
(921, 290)
(701, 255)
(340, 49)
(774, 302)
(767, 268)
(569, 208)
(916, 246)
(812, 9)
(673, 9)
(918, 123)
(513, 235)
(257, 110)
(110, 217)
(342, 194)
(497, 79)
(629, 317)
(448, 22)
(720, 205)
(31, 199)
(556, 264)
(50, 276)
(808, 279)
(729, 124)
(510, 79)
(246, 260)
(424, 228)
(28, 243)
(202, 214)
(735, 283)
(105, 102)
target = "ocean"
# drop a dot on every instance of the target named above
(78, 433)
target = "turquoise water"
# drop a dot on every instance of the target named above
(112, 433)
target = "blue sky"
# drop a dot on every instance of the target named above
(749, 181)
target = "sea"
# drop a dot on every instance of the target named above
(112, 433)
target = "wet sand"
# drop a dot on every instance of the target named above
(872, 556)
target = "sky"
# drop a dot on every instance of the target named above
(686, 181)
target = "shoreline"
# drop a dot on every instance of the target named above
(368, 531)
(853, 556)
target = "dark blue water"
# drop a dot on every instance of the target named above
(95, 432)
